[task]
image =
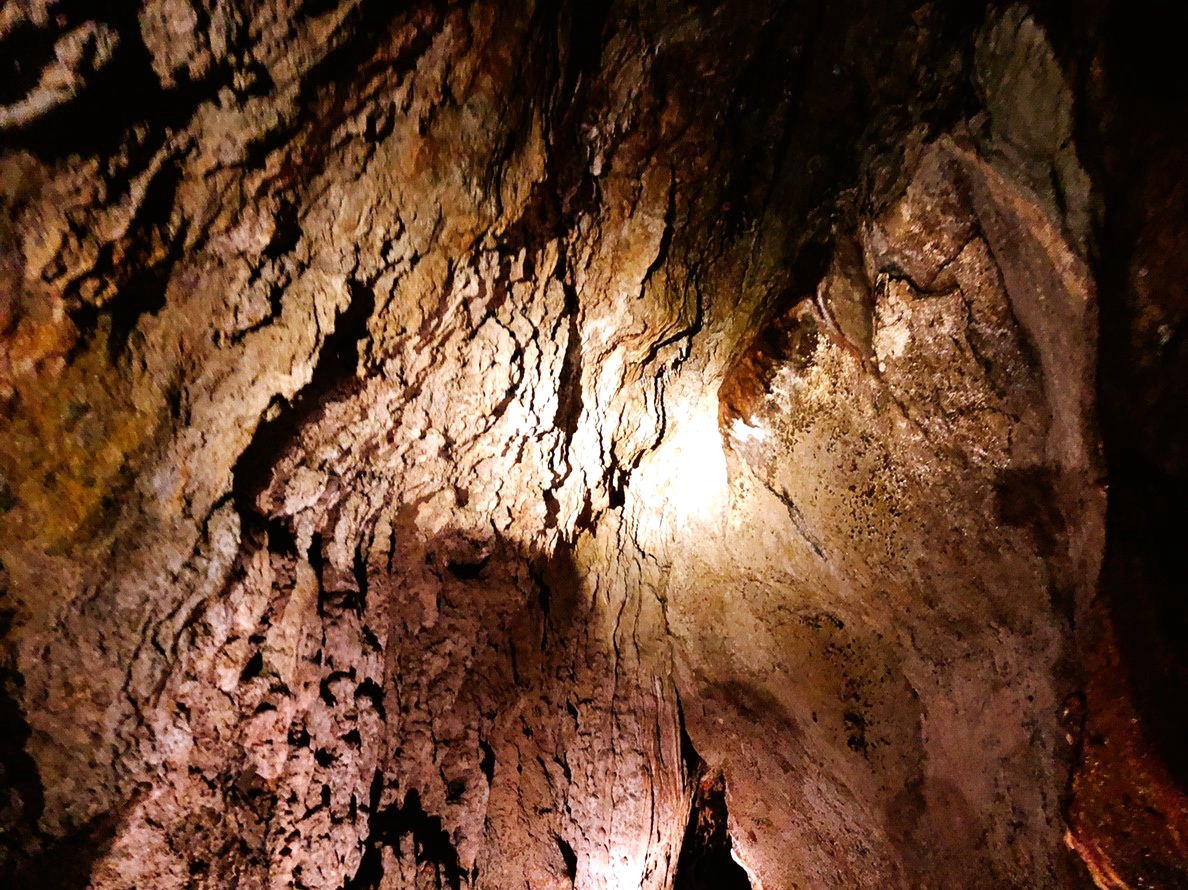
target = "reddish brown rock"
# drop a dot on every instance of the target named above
(571, 445)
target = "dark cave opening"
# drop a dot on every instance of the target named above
(705, 862)
(388, 825)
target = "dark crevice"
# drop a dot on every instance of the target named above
(1143, 574)
(359, 571)
(1136, 139)
(586, 23)
(705, 862)
(144, 292)
(136, 283)
(487, 763)
(252, 669)
(20, 781)
(325, 693)
(286, 233)
(431, 842)
(281, 539)
(569, 857)
(97, 119)
(371, 691)
(334, 371)
(569, 384)
(23, 53)
(467, 569)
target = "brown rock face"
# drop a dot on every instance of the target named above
(944, 496)
(606, 445)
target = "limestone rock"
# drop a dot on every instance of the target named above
(512, 444)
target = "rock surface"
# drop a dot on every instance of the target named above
(510, 444)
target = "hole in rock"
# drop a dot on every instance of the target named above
(433, 846)
(706, 862)
(569, 856)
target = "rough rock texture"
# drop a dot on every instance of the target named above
(941, 521)
(596, 445)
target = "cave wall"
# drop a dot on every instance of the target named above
(441, 443)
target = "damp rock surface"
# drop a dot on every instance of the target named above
(581, 445)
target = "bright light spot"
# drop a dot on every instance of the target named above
(751, 876)
(623, 871)
(697, 466)
(681, 489)
(742, 431)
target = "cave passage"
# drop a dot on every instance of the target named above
(705, 862)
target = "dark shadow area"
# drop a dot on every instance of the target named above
(27, 857)
(1138, 134)
(705, 862)
(109, 102)
(1146, 562)
(334, 371)
(388, 825)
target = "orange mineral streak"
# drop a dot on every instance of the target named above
(1126, 815)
